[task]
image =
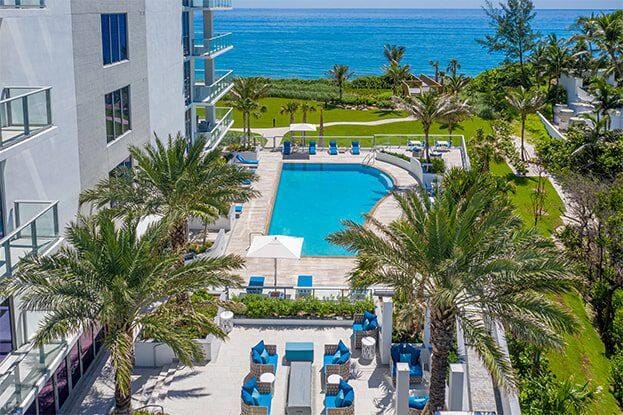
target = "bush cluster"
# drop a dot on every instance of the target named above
(258, 306)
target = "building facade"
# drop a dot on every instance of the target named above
(81, 82)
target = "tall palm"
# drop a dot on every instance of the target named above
(466, 257)
(340, 75)
(109, 276)
(607, 31)
(558, 59)
(397, 73)
(246, 93)
(606, 98)
(435, 65)
(455, 84)
(525, 102)
(460, 109)
(306, 108)
(453, 66)
(394, 54)
(429, 108)
(175, 183)
(290, 108)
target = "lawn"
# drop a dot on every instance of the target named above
(273, 106)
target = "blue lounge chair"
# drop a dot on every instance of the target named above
(264, 359)
(304, 284)
(244, 161)
(312, 148)
(333, 148)
(354, 149)
(255, 281)
(255, 395)
(336, 360)
(345, 398)
(287, 148)
(364, 325)
(407, 353)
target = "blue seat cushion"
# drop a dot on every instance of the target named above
(305, 281)
(342, 347)
(247, 398)
(417, 402)
(368, 315)
(395, 352)
(259, 347)
(250, 384)
(371, 324)
(415, 370)
(256, 397)
(273, 359)
(256, 357)
(265, 400)
(264, 355)
(329, 401)
(327, 359)
(344, 357)
(349, 398)
(405, 358)
(344, 386)
(357, 327)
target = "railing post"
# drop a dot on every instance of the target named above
(26, 118)
(7, 258)
(33, 235)
(55, 218)
(48, 103)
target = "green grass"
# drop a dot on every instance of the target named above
(273, 106)
(535, 130)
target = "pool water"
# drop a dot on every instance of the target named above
(314, 199)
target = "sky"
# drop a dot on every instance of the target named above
(550, 4)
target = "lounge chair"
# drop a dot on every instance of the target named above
(256, 397)
(287, 148)
(336, 360)
(237, 211)
(414, 145)
(342, 403)
(333, 148)
(303, 285)
(246, 162)
(417, 404)
(256, 281)
(364, 325)
(312, 148)
(407, 353)
(263, 358)
(354, 148)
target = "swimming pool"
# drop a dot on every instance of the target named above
(313, 199)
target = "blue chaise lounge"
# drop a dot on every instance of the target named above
(333, 148)
(407, 353)
(312, 148)
(256, 397)
(354, 148)
(256, 284)
(342, 403)
(287, 148)
(246, 162)
(264, 359)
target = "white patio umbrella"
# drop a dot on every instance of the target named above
(276, 247)
(301, 128)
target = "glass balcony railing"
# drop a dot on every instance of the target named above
(210, 93)
(36, 228)
(216, 131)
(22, 3)
(219, 43)
(23, 113)
(208, 4)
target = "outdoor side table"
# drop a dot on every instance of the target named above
(269, 378)
(227, 321)
(368, 348)
(333, 384)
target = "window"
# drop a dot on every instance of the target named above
(6, 331)
(187, 95)
(47, 400)
(117, 107)
(62, 383)
(186, 33)
(114, 38)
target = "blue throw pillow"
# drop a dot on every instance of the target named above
(372, 325)
(368, 315)
(342, 347)
(405, 358)
(259, 347)
(344, 386)
(339, 399)
(349, 398)
(343, 358)
(256, 397)
(257, 358)
(250, 384)
(417, 402)
(247, 398)
(336, 357)
(415, 355)
(264, 355)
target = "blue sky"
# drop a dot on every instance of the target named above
(563, 4)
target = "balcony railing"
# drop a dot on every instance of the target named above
(22, 3)
(23, 112)
(36, 228)
(215, 132)
(208, 4)
(210, 93)
(219, 43)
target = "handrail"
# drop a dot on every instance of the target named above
(27, 224)
(22, 3)
(220, 35)
(35, 90)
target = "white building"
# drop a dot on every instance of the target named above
(81, 81)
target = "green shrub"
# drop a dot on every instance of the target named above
(616, 372)
(258, 306)
(371, 82)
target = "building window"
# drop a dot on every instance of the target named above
(117, 105)
(188, 124)
(186, 33)
(187, 95)
(62, 383)
(74, 362)
(114, 38)
(6, 332)
(86, 349)
(47, 400)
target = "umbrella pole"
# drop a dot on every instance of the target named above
(275, 272)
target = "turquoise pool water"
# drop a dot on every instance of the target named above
(314, 199)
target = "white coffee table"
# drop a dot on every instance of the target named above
(333, 384)
(269, 378)
(227, 321)
(368, 348)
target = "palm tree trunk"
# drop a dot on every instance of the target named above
(426, 146)
(123, 380)
(442, 337)
(123, 401)
(179, 236)
(341, 92)
(523, 132)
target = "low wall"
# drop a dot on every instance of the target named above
(414, 167)
(155, 354)
(551, 129)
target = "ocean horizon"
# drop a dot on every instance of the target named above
(305, 43)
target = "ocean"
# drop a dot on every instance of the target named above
(305, 43)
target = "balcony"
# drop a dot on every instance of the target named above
(216, 131)
(24, 112)
(208, 4)
(36, 229)
(212, 93)
(217, 45)
(19, 4)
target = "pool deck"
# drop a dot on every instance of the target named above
(327, 271)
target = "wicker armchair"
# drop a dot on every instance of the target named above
(329, 401)
(415, 366)
(358, 321)
(335, 369)
(264, 389)
(258, 368)
(413, 411)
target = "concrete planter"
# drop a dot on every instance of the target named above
(149, 353)
(306, 322)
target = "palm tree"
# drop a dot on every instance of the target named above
(558, 59)
(453, 66)
(435, 65)
(340, 75)
(493, 147)
(606, 98)
(394, 54)
(466, 258)
(290, 108)
(455, 84)
(306, 109)
(175, 183)
(110, 276)
(246, 92)
(429, 108)
(397, 74)
(525, 102)
(459, 111)
(607, 34)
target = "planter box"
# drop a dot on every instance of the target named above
(289, 321)
(149, 353)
